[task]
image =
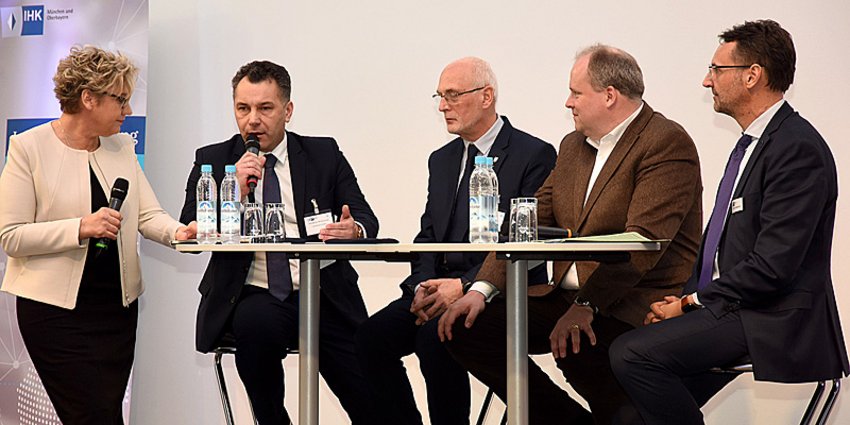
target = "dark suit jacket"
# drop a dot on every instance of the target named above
(775, 256)
(319, 171)
(650, 185)
(524, 161)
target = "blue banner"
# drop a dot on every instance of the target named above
(35, 36)
(134, 126)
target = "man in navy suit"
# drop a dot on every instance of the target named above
(255, 295)
(761, 287)
(467, 93)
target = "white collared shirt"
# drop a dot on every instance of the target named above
(754, 130)
(483, 144)
(258, 273)
(604, 147)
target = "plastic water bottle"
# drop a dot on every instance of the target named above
(483, 202)
(231, 223)
(205, 196)
(494, 219)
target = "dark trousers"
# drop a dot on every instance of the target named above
(265, 328)
(482, 350)
(391, 334)
(83, 356)
(664, 366)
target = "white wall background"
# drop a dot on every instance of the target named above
(363, 72)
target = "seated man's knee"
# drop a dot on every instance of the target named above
(462, 337)
(367, 337)
(428, 342)
(625, 351)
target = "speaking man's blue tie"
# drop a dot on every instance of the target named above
(277, 263)
(721, 209)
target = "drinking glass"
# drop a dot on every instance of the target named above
(275, 231)
(253, 222)
(523, 224)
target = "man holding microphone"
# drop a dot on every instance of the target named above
(254, 295)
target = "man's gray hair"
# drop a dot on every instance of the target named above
(610, 66)
(482, 74)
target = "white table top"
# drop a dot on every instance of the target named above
(319, 247)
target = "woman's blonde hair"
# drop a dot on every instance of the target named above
(91, 68)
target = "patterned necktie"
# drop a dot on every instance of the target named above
(460, 211)
(721, 208)
(277, 263)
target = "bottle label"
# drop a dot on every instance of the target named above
(230, 218)
(206, 217)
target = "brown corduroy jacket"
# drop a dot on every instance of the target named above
(651, 185)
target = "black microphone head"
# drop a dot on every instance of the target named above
(119, 188)
(253, 144)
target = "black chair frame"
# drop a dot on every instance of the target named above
(228, 348)
(808, 415)
(814, 402)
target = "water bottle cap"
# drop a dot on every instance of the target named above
(230, 168)
(480, 160)
(206, 168)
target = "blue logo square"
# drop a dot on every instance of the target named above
(33, 20)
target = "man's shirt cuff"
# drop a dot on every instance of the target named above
(695, 298)
(484, 288)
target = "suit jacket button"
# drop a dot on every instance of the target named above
(233, 300)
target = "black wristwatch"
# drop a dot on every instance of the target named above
(585, 303)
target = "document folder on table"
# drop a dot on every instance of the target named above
(617, 237)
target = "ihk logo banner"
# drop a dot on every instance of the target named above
(22, 21)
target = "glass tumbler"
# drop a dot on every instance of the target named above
(275, 231)
(252, 222)
(523, 224)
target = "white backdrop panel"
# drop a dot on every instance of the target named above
(363, 72)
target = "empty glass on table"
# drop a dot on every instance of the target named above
(275, 230)
(253, 222)
(523, 224)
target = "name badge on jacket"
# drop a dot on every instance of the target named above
(317, 221)
(737, 205)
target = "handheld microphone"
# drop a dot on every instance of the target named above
(119, 192)
(253, 146)
(546, 232)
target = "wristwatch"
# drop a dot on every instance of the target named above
(688, 305)
(585, 303)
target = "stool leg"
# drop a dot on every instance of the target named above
(813, 404)
(485, 406)
(830, 402)
(222, 389)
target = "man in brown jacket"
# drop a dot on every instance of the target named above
(626, 168)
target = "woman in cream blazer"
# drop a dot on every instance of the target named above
(76, 303)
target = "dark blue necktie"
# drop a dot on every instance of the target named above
(460, 211)
(277, 263)
(721, 208)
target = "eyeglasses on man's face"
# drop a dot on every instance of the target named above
(452, 96)
(712, 69)
(122, 101)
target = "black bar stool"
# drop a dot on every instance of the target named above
(811, 409)
(227, 345)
